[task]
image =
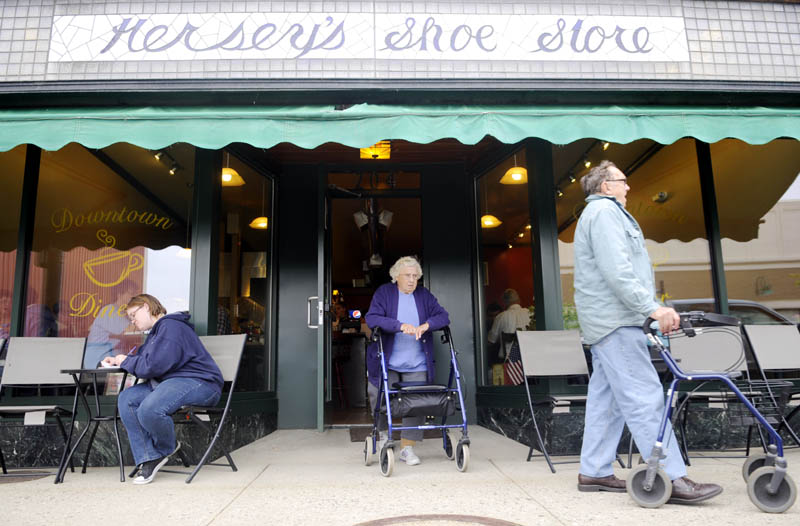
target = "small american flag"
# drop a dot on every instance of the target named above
(513, 366)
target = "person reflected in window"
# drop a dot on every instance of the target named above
(512, 318)
(339, 312)
(107, 331)
(179, 371)
(406, 314)
(614, 294)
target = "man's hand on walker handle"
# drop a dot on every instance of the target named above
(667, 318)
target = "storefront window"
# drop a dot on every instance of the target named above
(12, 165)
(506, 262)
(664, 198)
(758, 198)
(109, 224)
(245, 269)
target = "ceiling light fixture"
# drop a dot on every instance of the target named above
(487, 219)
(587, 163)
(230, 177)
(515, 174)
(261, 222)
(606, 145)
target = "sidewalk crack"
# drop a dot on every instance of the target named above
(531, 497)
(239, 494)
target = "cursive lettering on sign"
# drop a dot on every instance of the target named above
(85, 304)
(64, 219)
(430, 33)
(303, 39)
(592, 39)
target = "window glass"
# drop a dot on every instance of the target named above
(665, 200)
(245, 269)
(109, 224)
(758, 198)
(12, 165)
(506, 262)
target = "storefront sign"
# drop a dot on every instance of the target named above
(378, 36)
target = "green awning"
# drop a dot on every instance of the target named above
(363, 125)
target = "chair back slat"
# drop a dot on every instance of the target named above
(226, 349)
(552, 353)
(711, 350)
(39, 361)
(776, 347)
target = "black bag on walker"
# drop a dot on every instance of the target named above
(409, 403)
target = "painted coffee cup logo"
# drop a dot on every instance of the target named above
(111, 269)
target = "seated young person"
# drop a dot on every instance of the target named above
(179, 371)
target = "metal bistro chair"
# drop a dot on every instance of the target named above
(713, 349)
(553, 354)
(227, 352)
(37, 362)
(776, 350)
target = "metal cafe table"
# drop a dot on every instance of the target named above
(94, 416)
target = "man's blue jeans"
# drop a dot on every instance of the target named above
(146, 413)
(624, 388)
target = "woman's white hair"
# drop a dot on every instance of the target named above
(403, 262)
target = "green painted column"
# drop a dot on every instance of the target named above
(544, 235)
(204, 220)
(30, 187)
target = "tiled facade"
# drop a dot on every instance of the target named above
(727, 41)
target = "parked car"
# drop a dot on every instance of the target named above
(748, 312)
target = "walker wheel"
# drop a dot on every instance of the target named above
(752, 463)
(781, 501)
(387, 461)
(658, 494)
(449, 441)
(369, 456)
(462, 457)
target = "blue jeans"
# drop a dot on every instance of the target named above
(624, 388)
(146, 413)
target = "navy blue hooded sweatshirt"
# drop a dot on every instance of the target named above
(173, 350)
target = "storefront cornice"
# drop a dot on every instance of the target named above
(234, 92)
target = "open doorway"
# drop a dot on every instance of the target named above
(375, 218)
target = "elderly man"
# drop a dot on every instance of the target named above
(512, 318)
(614, 293)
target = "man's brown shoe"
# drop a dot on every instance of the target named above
(685, 491)
(610, 483)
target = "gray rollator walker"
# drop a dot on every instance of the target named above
(419, 399)
(769, 486)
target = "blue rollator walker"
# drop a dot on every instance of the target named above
(769, 486)
(419, 399)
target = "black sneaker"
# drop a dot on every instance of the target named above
(148, 470)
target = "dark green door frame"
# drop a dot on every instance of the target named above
(711, 219)
(544, 235)
(27, 216)
(205, 240)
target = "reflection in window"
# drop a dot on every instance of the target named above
(12, 165)
(507, 261)
(758, 198)
(664, 198)
(109, 224)
(245, 268)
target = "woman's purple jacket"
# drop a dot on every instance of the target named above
(383, 313)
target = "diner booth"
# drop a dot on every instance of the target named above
(268, 191)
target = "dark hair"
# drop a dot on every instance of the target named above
(591, 182)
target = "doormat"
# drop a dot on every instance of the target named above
(359, 434)
(23, 476)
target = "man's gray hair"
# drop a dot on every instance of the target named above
(403, 262)
(591, 182)
(510, 297)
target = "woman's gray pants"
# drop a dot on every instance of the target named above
(395, 376)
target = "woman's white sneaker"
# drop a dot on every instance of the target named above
(408, 456)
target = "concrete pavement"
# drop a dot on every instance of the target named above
(308, 478)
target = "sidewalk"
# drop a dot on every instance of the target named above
(310, 478)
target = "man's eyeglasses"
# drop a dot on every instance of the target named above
(410, 276)
(617, 181)
(132, 315)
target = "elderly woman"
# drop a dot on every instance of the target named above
(406, 314)
(179, 371)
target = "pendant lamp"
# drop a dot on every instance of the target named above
(261, 222)
(515, 174)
